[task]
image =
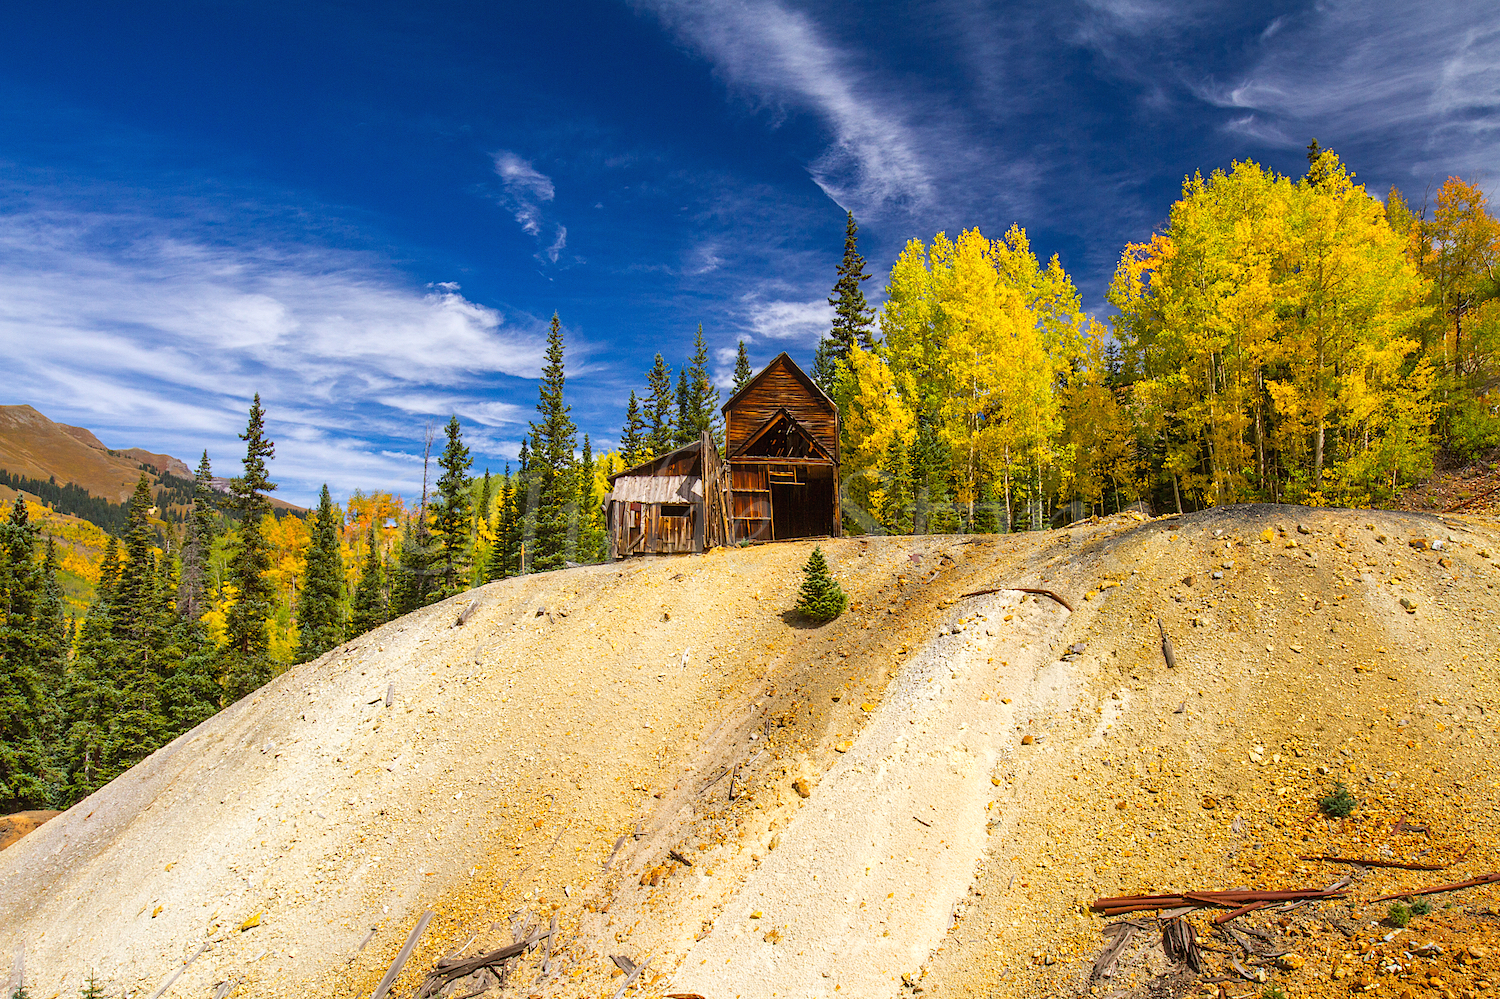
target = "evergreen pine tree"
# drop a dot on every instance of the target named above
(895, 482)
(825, 372)
(528, 491)
(138, 724)
(370, 609)
(412, 573)
(742, 372)
(684, 433)
(555, 438)
(109, 570)
(821, 598)
(320, 604)
(502, 558)
(90, 702)
(854, 320)
(22, 759)
(246, 651)
(192, 592)
(453, 516)
(660, 428)
(703, 397)
(135, 611)
(634, 444)
(52, 645)
(590, 529)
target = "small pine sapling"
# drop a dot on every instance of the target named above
(91, 989)
(1399, 914)
(821, 599)
(1420, 907)
(1340, 804)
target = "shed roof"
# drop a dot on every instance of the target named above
(657, 489)
(647, 467)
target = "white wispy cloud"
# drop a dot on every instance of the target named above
(784, 320)
(1423, 76)
(778, 57)
(525, 190)
(108, 322)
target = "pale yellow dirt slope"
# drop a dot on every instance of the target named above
(572, 748)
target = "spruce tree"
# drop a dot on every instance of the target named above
(684, 433)
(135, 611)
(703, 397)
(370, 610)
(501, 563)
(109, 570)
(320, 604)
(246, 651)
(660, 428)
(408, 571)
(590, 526)
(90, 701)
(635, 446)
(895, 483)
(742, 372)
(192, 592)
(528, 491)
(825, 372)
(554, 440)
(22, 758)
(854, 321)
(453, 516)
(52, 646)
(821, 598)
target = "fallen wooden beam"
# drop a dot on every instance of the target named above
(402, 956)
(1363, 862)
(1483, 879)
(178, 973)
(1021, 589)
(463, 615)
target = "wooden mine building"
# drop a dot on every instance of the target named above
(781, 443)
(778, 480)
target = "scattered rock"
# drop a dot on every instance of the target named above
(1303, 529)
(1027, 740)
(843, 746)
(802, 787)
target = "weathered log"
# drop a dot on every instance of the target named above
(1021, 589)
(1166, 646)
(1483, 879)
(402, 956)
(1365, 862)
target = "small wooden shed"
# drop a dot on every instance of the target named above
(781, 443)
(671, 504)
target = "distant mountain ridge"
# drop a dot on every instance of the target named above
(33, 446)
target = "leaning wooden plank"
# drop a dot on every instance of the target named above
(178, 973)
(463, 615)
(403, 956)
(1166, 646)
(1104, 964)
(620, 992)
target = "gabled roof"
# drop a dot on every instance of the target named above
(793, 424)
(800, 375)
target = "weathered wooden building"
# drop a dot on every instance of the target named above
(781, 443)
(675, 503)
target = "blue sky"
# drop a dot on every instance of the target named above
(369, 212)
